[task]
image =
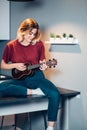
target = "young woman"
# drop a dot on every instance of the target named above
(28, 48)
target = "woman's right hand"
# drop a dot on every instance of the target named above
(20, 66)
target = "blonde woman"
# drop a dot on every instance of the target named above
(28, 48)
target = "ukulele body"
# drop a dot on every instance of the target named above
(30, 69)
(17, 74)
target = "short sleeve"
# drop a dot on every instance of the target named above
(7, 54)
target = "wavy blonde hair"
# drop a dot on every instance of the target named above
(28, 25)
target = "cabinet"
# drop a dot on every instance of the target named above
(4, 20)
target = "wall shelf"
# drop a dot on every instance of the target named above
(61, 43)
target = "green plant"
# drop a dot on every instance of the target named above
(70, 35)
(52, 35)
(58, 36)
(64, 35)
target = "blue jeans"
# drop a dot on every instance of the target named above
(38, 80)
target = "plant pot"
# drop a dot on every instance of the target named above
(57, 40)
(52, 40)
(64, 40)
(70, 40)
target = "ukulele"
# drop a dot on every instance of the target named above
(30, 69)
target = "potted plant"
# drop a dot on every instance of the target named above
(57, 38)
(64, 35)
(64, 38)
(70, 38)
(52, 37)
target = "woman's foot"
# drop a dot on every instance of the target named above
(29, 91)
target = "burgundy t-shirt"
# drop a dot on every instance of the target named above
(16, 53)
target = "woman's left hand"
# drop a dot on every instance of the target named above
(43, 65)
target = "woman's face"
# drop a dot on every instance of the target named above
(30, 35)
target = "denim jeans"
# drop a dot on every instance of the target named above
(19, 88)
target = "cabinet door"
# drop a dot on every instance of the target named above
(4, 20)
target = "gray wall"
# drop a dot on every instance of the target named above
(60, 16)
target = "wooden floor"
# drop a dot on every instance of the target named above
(8, 123)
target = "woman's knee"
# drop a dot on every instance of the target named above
(55, 95)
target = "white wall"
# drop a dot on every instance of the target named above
(60, 16)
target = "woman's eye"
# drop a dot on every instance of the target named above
(30, 33)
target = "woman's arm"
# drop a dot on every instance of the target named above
(43, 66)
(7, 66)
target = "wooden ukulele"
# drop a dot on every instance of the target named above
(30, 69)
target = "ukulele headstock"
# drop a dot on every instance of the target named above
(52, 63)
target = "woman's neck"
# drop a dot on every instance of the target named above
(25, 43)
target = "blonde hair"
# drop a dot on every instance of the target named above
(28, 25)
